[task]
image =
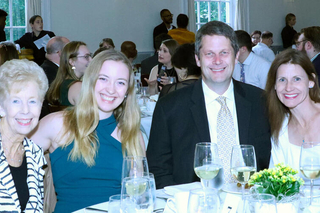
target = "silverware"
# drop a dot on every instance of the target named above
(94, 209)
(158, 210)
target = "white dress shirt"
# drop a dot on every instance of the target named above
(264, 51)
(213, 107)
(256, 70)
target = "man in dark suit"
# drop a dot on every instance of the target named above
(189, 115)
(3, 17)
(52, 61)
(165, 26)
(309, 43)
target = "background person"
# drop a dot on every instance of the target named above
(181, 34)
(165, 26)
(3, 17)
(28, 39)
(65, 88)
(255, 37)
(86, 157)
(107, 42)
(8, 51)
(23, 85)
(288, 32)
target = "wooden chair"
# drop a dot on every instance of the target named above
(26, 54)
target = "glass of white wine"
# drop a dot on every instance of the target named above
(310, 162)
(134, 166)
(206, 162)
(243, 164)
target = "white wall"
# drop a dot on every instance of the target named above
(121, 20)
(270, 15)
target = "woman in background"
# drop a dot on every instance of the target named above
(65, 88)
(8, 51)
(255, 37)
(23, 85)
(186, 67)
(164, 68)
(108, 43)
(87, 142)
(28, 39)
(293, 104)
(288, 32)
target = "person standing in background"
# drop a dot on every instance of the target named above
(165, 26)
(3, 17)
(288, 32)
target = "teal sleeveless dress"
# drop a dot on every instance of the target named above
(77, 185)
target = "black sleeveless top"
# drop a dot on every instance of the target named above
(170, 72)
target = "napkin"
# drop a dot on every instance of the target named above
(154, 97)
(171, 190)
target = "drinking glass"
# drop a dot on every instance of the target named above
(243, 164)
(260, 203)
(206, 162)
(114, 204)
(134, 167)
(136, 195)
(203, 201)
(310, 162)
(172, 80)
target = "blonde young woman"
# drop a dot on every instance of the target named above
(87, 142)
(74, 60)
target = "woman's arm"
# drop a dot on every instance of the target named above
(152, 81)
(74, 92)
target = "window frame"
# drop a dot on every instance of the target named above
(10, 17)
(231, 16)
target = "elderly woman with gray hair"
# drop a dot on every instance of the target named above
(23, 85)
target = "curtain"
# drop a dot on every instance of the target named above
(192, 16)
(33, 8)
(242, 15)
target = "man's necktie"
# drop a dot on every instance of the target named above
(226, 137)
(242, 75)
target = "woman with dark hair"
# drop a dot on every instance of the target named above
(8, 51)
(293, 99)
(128, 48)
(288, 32)
(159, 73)
(255, 37)
(28, 39)
(65, 89)
(107, 42)
(186, 67)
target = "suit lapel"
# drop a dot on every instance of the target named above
(243, 107)
(199, 112)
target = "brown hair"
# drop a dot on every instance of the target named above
(128, 48)
(289, 16)
(277, 111)
(312, 34)
(171, 44)
(8, 51)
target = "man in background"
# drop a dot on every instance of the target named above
(309, 43)
(263, 47)
(251, 68)
(165, 26)
(3, 17)
(52, 61)
(181, 34)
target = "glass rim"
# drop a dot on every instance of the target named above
(270, 197)
(134, 157)
(205, 144)
(242, 146)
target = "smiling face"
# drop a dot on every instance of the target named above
(255, 38)
(21, 109)
(37, 26)
(164, 55)
(82, 60)
(217, 60)
(111, 87)
(292, 85)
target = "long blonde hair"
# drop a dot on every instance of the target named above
(65, 71)
(81, 121)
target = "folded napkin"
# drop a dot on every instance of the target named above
(171, 190)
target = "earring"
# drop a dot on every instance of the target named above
(310, 87)
(73, 68)
(125, 96)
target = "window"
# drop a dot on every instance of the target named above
(210, 10)
(16, 25)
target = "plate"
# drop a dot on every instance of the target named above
(234, 189)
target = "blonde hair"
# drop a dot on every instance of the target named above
(127, 114)
(65, 71)
(21, 72)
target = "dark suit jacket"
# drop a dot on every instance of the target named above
(316, 64)
(180, 121)
(50, 69)
(161, 28)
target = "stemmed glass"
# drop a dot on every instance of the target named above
(206, 162)
(310, 162)
(134, 167)
(243, 164)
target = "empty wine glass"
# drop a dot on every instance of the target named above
(310, 162)
(243, 164)
(136, 195)
(206, 162)
(260, 203)
(134, 166)
(203, 201)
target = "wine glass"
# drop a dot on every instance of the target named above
(206, 162)
(310, 162)
(201, 201)
(243, 164)
(136, 195)
(134, 166)
(260, 203)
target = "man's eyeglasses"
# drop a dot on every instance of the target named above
(87, 56)
(299, 42)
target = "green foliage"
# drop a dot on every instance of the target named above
(279, 181)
